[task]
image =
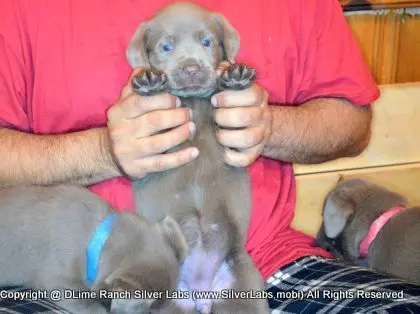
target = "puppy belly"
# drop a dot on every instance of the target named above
(203, 279)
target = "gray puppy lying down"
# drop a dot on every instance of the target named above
(179, 50)
(364, 220)
(48, 234)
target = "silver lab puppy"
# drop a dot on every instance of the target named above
(44, 234)
(180, 49)
(353, 213)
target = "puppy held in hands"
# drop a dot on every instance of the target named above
(362, 220)
(179, 50)
(69, 239)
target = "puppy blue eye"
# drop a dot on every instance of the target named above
(206, 42)
(167, 47)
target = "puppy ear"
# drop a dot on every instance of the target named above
(119, 282)
(229, 36)
(337, 210)
(173, 234)
(136, 51)
(123, 279)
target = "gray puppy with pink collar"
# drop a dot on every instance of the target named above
(362, 220)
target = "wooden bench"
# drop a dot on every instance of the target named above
(392, 158)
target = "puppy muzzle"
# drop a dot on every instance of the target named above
(193, 79)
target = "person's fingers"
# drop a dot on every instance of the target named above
(242, 158)
(238, 117)
(164, 162)
(128, 149)
(252, 96)
(134, 106)
(156, 121)
(151, 123)
(130, 152)
(241, 139)
(160, 143)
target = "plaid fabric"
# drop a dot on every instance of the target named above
(318, 285)
(308, 285)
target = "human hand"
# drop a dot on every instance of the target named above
(139, 136)
(245, 121)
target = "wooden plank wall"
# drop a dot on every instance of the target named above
(389, 38)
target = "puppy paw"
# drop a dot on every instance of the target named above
(238, 76)
(149, 82)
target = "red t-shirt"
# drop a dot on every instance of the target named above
(62, 64)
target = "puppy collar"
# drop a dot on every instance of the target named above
(376, 227)
(94, 249)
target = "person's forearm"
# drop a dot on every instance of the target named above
(79, 158)
(318, 131)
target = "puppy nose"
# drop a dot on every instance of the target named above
(191, 69)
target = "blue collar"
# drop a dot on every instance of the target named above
(97, 242)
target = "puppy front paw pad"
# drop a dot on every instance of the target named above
(238, 76)
(149, 82)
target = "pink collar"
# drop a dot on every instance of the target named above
(376, 227)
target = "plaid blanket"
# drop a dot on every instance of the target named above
(309, 285)
(318, 285)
